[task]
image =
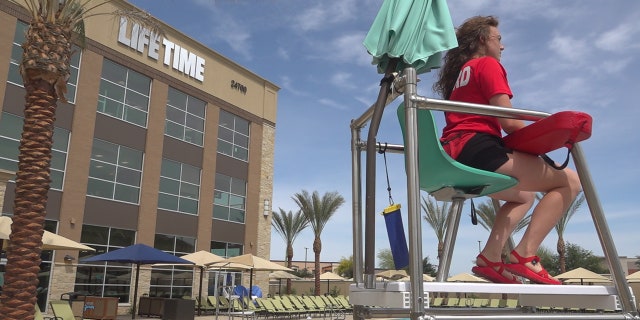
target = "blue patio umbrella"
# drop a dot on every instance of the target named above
(404, 33)
(137, 254)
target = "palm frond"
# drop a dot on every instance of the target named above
(289, 225)
(318, 210)
(573, 208)
(435, 216)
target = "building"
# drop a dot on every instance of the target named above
(163, 142)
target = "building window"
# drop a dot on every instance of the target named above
(10, 131)
(226, 249)
(115, 172)
(185, 117)
(179, 187)
(172, 281)
(104, 279)
(16, 59)
(124, 93)
(229, 198)
(233, 136)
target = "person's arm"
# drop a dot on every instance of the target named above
(508, 125)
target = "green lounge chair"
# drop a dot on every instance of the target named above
(39, 316)
(62, 310)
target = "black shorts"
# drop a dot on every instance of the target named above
(484, 151)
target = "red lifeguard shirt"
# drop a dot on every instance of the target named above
(478, 81)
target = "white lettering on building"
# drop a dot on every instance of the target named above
(174, 55)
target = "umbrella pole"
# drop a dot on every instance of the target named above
(200, 292)
(250, 281)
(135, 292)
(370, 176)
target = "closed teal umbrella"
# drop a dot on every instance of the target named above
(414, 30)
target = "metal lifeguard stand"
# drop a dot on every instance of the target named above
(402, 299)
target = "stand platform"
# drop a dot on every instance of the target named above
(397, 294)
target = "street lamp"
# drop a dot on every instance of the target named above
(479, 250)
(305, 258)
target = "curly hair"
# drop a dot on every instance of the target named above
(469, 35)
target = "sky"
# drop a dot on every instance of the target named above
(559, 55)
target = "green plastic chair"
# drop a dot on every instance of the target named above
(448, 180)
(439, 172)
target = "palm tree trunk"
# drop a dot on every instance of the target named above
(562, 260)
(289, 258)
(32, 185)
(317, 248)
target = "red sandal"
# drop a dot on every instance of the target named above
(520, 269)
(488, 272)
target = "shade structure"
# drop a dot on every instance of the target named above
(465, 277)
(254, 263)
(202, 260)
(330, 276)
(413, 31)
(634, 277)
(581, 275)
(50, 240)
(392, 274)
(137, 254)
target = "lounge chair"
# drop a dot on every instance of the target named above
(62, 310)
(204, 305)
(39, 316)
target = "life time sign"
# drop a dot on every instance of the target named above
(173, 55)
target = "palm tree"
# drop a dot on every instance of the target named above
(436, 217)
(289, 225)
(55, 25)
(561, 227)
(318, 211)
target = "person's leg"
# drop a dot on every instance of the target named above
(560, 188)
(510, 213)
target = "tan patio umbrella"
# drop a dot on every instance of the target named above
(465, 277)
(586, 281)
(253, 263)
(581, 275)
(425, 277)
(392, 274)
(330, 276)
(202, 259)
(281, 274)
(634, 277)
(50, 240)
